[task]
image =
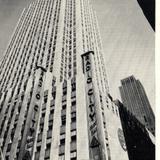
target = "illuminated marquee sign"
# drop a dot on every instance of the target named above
(91, 105)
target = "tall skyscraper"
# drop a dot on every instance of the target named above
(54, 100)
(135, 100)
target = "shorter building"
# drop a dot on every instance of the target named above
(139, 141)
(135, 99)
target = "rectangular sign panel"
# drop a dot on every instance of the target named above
(95, 146)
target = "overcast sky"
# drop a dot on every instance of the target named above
(127, 37)
(128, 42)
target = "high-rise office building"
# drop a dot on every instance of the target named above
(54, 100)
(139, 141)
(135, 99)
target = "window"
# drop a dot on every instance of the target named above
(49, 133)
(37, 156)
(50, 125)
(62, 129)
(73, 87)
(45, 99)
(73, 126)
(52, 111)
(61, 149)
(19, 144)
(52, 102)
(43, 115)
(73, 103)
(73, 108)
(38, 148)
(39, 137)
(73, 116)
(64, 106)
(73, 146)
(73, 155)
(73, 136)
(47, 152)
(9, 147)
(17, 116)
(63, 118)
(63, 112)
(73, 133)
(64, 91)
(61, 157)
(50, 117)
(62, 140)
(17, 154)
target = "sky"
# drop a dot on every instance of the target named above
(128, 44)
(127, 38)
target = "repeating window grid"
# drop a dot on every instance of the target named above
(10, 130)
(16, 32)
(30, 44)
(17, 68)
(55, 34)
(13, 39)
(14, 53)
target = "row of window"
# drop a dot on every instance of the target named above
(69, 41)
(32, 33)
(50, 125)
(25, 53)
(73, 148)
(12, 41)
(25, 48)
(51, 52)
(14, 53)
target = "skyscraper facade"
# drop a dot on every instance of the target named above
(54, 100)
(135, 99)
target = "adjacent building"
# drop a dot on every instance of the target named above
(139, 141)
(54, 100)
(135, 100)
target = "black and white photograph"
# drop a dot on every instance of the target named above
(78, 80)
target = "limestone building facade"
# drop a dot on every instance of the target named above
(54, 100)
